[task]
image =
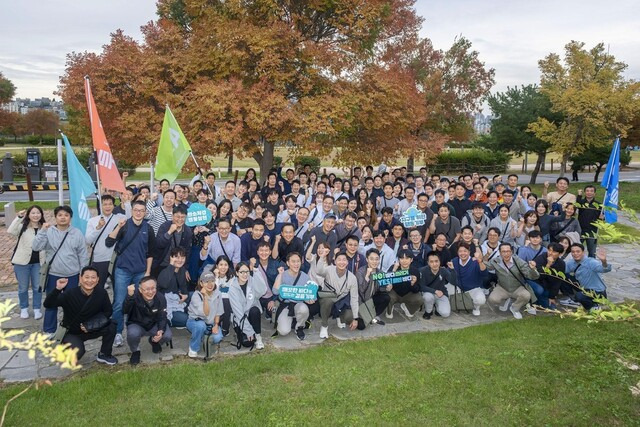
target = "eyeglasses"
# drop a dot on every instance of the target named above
(243, 272)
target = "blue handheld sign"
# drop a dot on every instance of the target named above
(197, 214)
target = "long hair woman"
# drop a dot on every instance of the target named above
(26, 262)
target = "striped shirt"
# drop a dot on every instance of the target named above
(156, 216)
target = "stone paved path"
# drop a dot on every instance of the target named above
(623, 282)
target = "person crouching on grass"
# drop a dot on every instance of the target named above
(147, 316)
(205, 311)
(87, 314)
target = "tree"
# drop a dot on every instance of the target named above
(40, 122)
(7, 89)
(597, 157)
(10, 124)
(588, 89)
(513, 111)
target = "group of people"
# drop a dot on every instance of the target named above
(480, 240)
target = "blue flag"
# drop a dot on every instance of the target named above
(610, 182)
(80, 188)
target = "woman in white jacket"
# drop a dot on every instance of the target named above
(244, 296)
(26, 262)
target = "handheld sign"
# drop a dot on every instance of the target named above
(197, 214)
(308, 292)
(413, 217)
(393, 278)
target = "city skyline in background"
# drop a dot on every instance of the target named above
(509, 37)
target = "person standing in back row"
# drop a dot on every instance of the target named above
(135, 246)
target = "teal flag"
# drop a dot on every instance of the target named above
(173, 150)
(81, 187)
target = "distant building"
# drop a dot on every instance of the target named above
(24, 105)
(482, 123)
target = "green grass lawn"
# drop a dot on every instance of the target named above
(540, 371)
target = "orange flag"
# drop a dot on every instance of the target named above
(107, 169)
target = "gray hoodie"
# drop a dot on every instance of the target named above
(71, 257)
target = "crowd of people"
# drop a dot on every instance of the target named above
(480, 240)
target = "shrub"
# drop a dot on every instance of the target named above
(276, 161)
(467, 161)
(625, 157)
(314, 162)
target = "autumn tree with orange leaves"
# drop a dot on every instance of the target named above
(242, 76)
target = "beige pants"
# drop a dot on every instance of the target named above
(520, 295)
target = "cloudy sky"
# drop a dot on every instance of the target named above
(511, 36)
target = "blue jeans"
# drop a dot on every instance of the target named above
(586, 301)
(121, 281)
(28, 277)
(50, 323)
(179, 319)
(197, 329)
(541, 293)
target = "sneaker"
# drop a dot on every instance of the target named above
(37, 314)
(156, 347)
(569, 302)
(552, 306)
(118, 341)
(192, 354)
(259, 343)
(406, 310)
(300, 333)
(427, 315)
(515, 313)
(340, 324)
(595, 307)
(377, 321)
(324, 332)
(24, 313)
(530, 309)
(505, 306)
(476, 311)
(109, 360)
(180, 327)
(135, 358)
(307, 324)
(486, 292)
(388, 313)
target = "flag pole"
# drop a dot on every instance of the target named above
(151, 178)
(60, 180)
(204, 181)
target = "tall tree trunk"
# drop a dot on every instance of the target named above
(563, 164)
(536, 170)
(230, 162)
(265, 158)
(410, 162)
(543, 166)
(598, 170)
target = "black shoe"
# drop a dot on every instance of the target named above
(427, 315)
(155, 347)
(377, 321)
(109, 360)
(300, 333)
(307, 324)
(135, 358)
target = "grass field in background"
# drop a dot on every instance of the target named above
(539, 371)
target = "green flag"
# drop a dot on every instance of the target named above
(174, 149)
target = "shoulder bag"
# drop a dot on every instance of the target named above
(44, 271)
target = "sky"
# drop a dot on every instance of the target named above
(510, 36)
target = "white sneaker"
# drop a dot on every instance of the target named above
(37, 314)
(118, 341)
(531, 309)
(406, 310)
(324, 332)
(24, 313)
(192, 354)
(505, 306)
(515, 313)
(388, 313)
(259, 343)
(486, 292)
(476, 311)
(340, 324)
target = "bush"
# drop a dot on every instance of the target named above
(314, 162)
(276, 161)
(625, 157)
(468, 161)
